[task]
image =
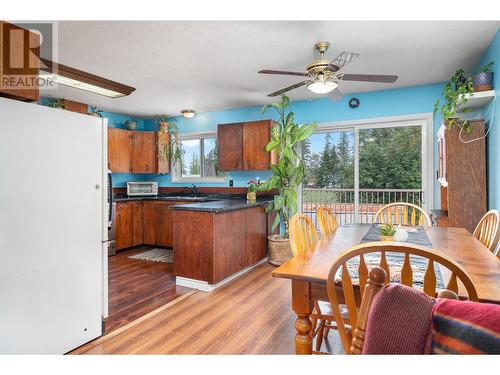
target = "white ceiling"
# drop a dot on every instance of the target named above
(213, 65)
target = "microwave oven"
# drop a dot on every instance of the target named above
(142, 189)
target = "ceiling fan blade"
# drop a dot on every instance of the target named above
(369, 78)
(283, 72)
(279, 92)
(336, 95)
(345, 58)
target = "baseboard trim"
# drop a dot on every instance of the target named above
(204, 286)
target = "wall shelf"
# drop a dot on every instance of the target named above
(478, 100)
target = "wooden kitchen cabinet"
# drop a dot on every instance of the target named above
(143, 154)
(135, 152)
(211, 246)
(137, 226)
(230, 145)
(147, 222)
(242, 146)
(163, 224)
(20, 48)
(462, 175)
(119, 150)
(123, 225)
(128, 224)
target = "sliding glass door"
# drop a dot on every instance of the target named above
(356, 170)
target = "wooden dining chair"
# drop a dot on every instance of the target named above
(343, 291)
(402, 213)
(327, 222)
(303, 238)
(487, 231)
(303, 234)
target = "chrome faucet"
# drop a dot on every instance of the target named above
(194, 189)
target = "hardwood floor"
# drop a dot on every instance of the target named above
(249, 315)
(137, 287)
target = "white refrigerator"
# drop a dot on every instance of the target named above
(53, 228)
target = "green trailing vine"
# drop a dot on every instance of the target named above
(173, 149)
(455, 95)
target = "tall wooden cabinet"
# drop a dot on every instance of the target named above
(462, 175)
(242, 146)
(19, 48)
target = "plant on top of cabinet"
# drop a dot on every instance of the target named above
(455, 95)
(289, 172)
(168, 124)
(58, 103)
(93, 111)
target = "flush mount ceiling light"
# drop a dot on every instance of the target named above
(188, 113)
(67, 76)
(322, 86)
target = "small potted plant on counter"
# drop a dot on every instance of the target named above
(483, 81)
(253, 186)
(287, 176)
(387, 232)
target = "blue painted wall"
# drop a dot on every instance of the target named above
(492, 116)
(393, 102)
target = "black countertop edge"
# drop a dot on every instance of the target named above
(220, 206)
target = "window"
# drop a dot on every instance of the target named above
(199, 161)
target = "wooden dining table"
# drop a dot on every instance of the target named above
(308, 272)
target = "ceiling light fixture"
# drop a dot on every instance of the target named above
(322, 86)
(67, 76)
(188, 113)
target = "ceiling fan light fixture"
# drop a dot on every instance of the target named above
(188, 113)
(322, 87)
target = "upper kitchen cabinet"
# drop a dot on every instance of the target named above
(230, 144)
(134, 152)
(143, 158)
(242, 146)
(19, 62)
(119, 150)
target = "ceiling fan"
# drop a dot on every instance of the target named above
(324, 76)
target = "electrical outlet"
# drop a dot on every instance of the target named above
(231, 183)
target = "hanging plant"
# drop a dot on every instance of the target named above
(172, 149)
(455, 95)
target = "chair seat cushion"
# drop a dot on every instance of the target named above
(399, 322)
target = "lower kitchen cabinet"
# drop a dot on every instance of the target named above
(157, 223)
(147, 222)
(211, 246)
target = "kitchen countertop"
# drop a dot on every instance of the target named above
(220, 205)
(125, 198)
(207, 203)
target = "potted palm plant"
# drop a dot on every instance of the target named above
(287, 176)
